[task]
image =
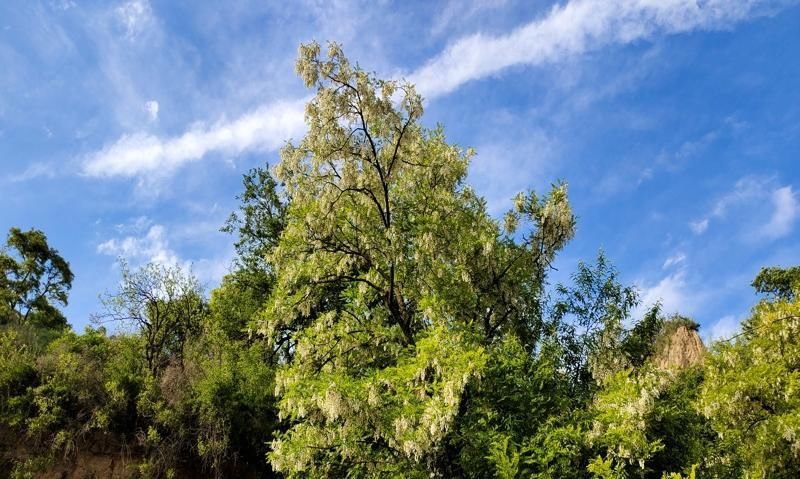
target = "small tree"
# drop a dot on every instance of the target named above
(590, 316)
(162, 303)
(33, 277)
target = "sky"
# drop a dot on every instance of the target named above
(126, 126)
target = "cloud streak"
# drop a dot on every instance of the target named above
(574, 28)
(139, 154)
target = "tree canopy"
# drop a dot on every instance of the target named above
(393, 284)
(34, 279)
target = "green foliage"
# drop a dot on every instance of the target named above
(30, 468)
(16, 375)
(676, 475)
(232, 401)
(259, 222)
(234, 304)
(590, 316)
(558, 448)
(646, 422)
(65, 394)
(621, 409)
(518, 404)
(34, 278)
(607, 469)
(750, 394)
(408, 406)
(378, 322)
(676, 421)
(504, 458)
(642, 341)
(779, 283)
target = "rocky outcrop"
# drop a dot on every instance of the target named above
(680, 347)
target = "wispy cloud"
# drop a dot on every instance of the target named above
(151, 107)
(674, 260)
(633, 175)
(570, 29)
(143, 241)
(35, 170)
(134, 16)
(699, 227)
(574, 28)
(500, 170)
(140, 154)
(456, 11)
(63, 4)
(153, 247)
(753, 194)
(724, 328)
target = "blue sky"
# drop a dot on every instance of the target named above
(125, 126)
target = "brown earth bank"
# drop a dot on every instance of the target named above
(102, 456)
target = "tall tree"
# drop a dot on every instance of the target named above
(393, 284)
(257, 226)
(34, 279)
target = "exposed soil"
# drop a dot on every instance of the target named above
(682, 349)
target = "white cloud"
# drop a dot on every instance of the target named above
(212, 269)
(749, 197)
(151, 107)
(142, 241)
(457, 11)
(574, 28)
(136, 226)
(63, 4)
(672, 291)
(153, 247)
(786, 212)
(725, 328)
(138, 154)
(745, 190)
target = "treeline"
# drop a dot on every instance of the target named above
(378, 322)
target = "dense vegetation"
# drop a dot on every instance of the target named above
(378, 322)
